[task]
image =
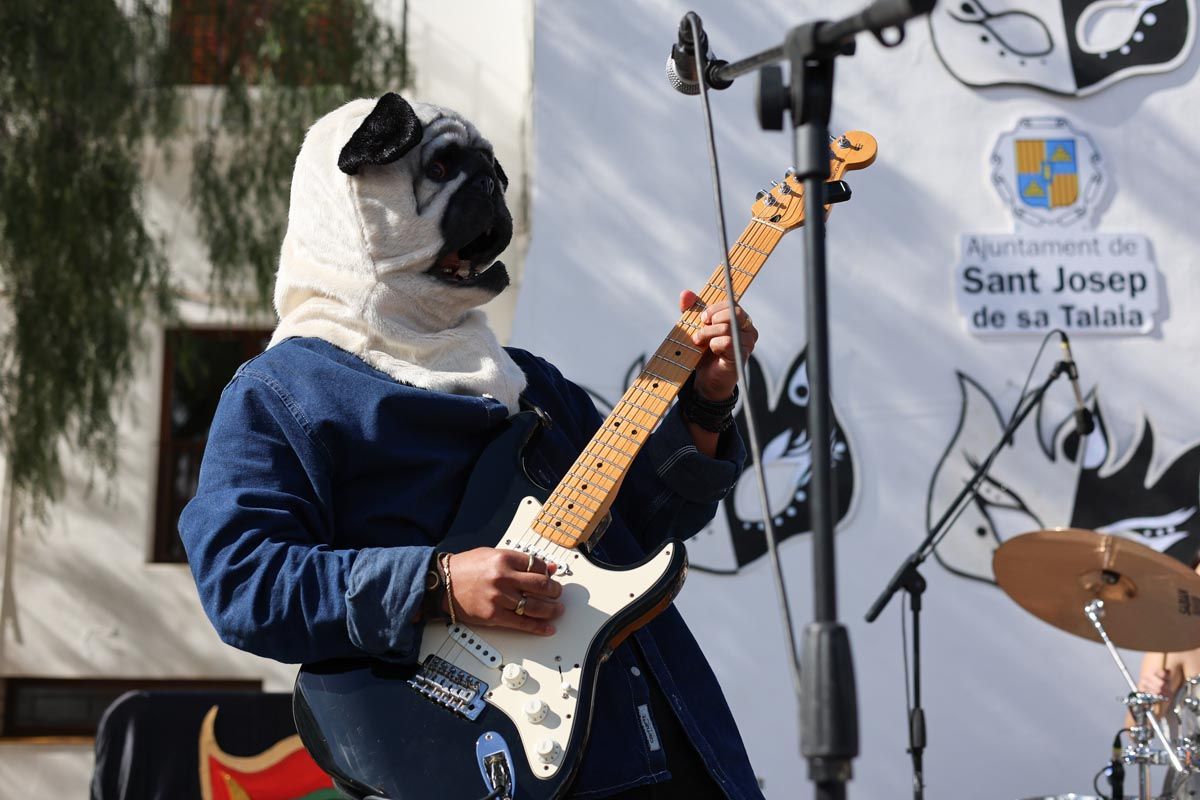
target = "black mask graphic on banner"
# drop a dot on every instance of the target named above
(1061, 479)
(787, 459)
(1072, 46)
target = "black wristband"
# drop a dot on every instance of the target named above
(714, 416)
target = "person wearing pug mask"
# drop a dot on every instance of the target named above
(337, 459)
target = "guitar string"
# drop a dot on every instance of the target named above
(606, 439)
(531, 540)
(760, 235)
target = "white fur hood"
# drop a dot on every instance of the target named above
(353, 261)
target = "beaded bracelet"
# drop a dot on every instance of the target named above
(712, 416)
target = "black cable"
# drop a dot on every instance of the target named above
(1015, 413)
(904, 643)
(747, 407)
(1096, 786)
(494, 794)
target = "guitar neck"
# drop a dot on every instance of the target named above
(574, 510)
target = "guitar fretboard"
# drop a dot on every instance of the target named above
(574, 510)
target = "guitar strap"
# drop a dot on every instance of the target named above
(545, 423)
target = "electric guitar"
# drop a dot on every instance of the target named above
(499, 713)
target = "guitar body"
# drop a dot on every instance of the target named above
(433, 729)
(496, 702)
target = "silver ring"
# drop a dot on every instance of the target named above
(529, 566)
(520, 609)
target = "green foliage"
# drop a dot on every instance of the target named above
(85, 89)
(80, 270)
(286, 64)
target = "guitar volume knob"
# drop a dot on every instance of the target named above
(514, 675)
(548, 751)
(536, 710)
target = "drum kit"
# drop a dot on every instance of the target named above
(1123, 594)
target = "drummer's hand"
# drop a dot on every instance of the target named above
(1154, 683)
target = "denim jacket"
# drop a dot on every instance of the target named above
(326, 484)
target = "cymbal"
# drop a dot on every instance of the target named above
(1151, 600)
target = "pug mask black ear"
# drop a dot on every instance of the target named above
(500, 173)
(388, 132)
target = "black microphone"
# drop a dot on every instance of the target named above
(1116, 769)
(681, 63)
(1084, 422)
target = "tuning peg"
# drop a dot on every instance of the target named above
(784, 188)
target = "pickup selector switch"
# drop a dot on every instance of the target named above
(514, 676)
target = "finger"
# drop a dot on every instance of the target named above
(533, 584)
(687, 299)
(516, 561)
(722, 347)
(540, 608)
(721, 312)
(708, 332)
(526, 623)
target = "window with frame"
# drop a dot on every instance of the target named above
(294, 42)
(197, 364)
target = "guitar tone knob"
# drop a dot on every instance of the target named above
(514, 676)
(548, 750)
(536, 710)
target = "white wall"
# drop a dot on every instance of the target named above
(623, 219)
(85, 600)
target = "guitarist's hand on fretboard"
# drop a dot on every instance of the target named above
(489, 585)
(716, 374)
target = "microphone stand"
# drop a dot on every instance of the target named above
(910, 580)
(828, 703)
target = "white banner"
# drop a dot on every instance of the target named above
(1089, 283)
(623, 220)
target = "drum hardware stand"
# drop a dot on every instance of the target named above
(828, 705)
(908, 577)
(1139, 706)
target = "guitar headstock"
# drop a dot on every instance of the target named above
(784, 204)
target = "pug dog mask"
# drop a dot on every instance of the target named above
(397, 215)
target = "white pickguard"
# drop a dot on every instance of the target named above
(592, 595)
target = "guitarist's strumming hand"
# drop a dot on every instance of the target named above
(488, 585)
(716, 374)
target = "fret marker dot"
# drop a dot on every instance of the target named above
(570, 506)
(678, 353)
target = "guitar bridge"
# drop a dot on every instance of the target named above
(453, 689)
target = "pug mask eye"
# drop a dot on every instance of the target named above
(437, 170)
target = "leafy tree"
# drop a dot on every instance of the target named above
(85, 89)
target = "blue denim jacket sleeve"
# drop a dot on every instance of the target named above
(260, 542)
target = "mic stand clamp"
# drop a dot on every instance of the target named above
(908, 577)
